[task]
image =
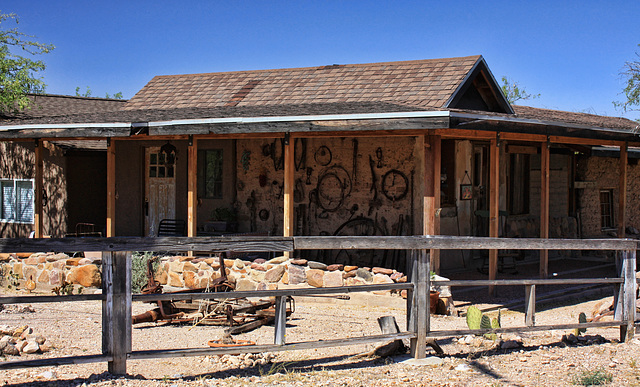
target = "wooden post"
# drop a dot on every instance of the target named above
(431, 206)
(38, 214)
(544, 207)
(289, 169)
(280, 320)
(420, 305)
(530, 305)
(111, 188)
(192, 186)
(116, 309)
(627, 329)
(622, 197)
(494, 203)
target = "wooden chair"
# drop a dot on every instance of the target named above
(172, 227)
(506, 258)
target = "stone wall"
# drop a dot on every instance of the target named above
(261, 274)
(47, 270)
(50, 269)
(598, 173)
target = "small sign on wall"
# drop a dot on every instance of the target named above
(466, 192)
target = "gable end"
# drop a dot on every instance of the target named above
(480, 91)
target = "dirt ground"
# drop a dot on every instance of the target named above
(543, 359)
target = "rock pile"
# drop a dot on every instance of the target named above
(52, 269)
(262, 274)
(245, 360)
(15, 341)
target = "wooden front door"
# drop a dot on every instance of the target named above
(160, 190)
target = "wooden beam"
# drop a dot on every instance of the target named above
(111, 188)
(494, 203)
(622, 197)
(432, 160)
(38, 214)
(289, 176)
(192, 188)
(544, 207)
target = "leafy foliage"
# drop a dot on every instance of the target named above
(139, 264)
(631, 73)
(595, 377)
(514, 92)
(87, 93)
(18, 73)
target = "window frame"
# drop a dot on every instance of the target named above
(611, 216)
(16, 202)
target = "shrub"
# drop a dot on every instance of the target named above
(139, 264)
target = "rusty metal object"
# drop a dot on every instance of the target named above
(240, 314)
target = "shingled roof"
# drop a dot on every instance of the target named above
(425, 83)
(51, 105)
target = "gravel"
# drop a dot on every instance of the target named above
(537, 358)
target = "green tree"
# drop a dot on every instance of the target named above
(87, 93)
(631, 74)
(513, 92)
(19, 73)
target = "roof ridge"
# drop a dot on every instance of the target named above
(406, 62)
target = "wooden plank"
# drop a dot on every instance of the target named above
(313, 126)
(111, 190)
(627, 329)
(280, 321)
(622, 195)
(530, 305)
(544, 207)
(494, 203)
(272, 293)
(38, 213)
(67, 133)
(289, 176)
(56, 361)
(529, 282)
(116, 317)
(434, 254)
(173, 244)
(522, 149)
(301, 345)
(420, 305)
(277, 243)
(462, 332)
(192, 188)
(55, 299)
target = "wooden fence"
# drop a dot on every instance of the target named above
(116, 294)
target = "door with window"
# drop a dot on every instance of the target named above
(160, 190)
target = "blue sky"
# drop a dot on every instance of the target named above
(571, 52)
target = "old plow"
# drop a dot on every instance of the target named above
(238, 314)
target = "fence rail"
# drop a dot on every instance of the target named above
(116, 296)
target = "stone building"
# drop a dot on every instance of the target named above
(398, 148)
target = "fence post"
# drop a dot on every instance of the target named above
(530, 305)
(281, 320)
(116, 309)
(420, 304)
(627, 330)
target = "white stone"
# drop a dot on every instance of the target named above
(462, 367)
(427, 361)
(31, 347)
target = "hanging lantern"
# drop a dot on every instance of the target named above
(169, 151)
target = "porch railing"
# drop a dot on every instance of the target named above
(116, 294)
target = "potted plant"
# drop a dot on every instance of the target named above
(223, 219)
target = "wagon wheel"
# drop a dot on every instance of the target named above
(359, 226)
